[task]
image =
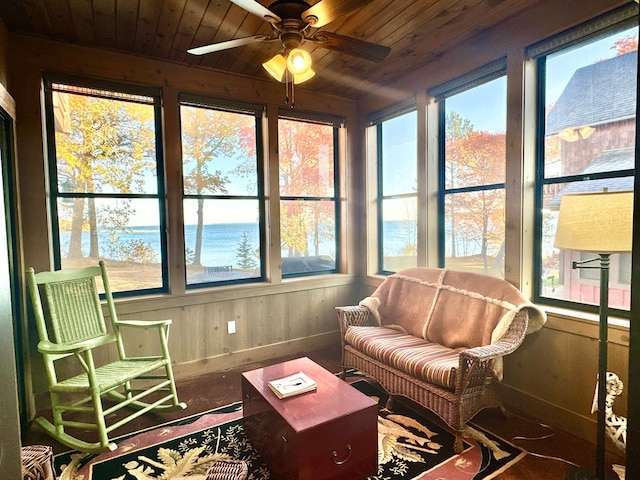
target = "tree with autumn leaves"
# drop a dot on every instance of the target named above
(474, 159)
(104, 147)
(306, 166)
(209, 137)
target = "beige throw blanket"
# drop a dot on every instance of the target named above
(455, 309)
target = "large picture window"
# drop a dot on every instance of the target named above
(222, 184)
(472, 175)
(106, 199)
(587, 123)
(397, 192)
(309, 220)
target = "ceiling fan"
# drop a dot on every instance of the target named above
(292, 22)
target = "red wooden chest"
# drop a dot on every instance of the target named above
(327, 434)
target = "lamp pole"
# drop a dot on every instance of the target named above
(600, 474)
(602, 361)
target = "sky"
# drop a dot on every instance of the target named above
(476, 103)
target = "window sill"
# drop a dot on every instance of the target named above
(586, 324)
(133, 305)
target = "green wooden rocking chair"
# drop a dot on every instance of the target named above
(75, 326)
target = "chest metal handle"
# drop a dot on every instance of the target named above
(340, 462)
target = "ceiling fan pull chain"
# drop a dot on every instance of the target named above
(290, 95)
(293, 92)
(286, 87)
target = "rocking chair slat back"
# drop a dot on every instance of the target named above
(74, 310)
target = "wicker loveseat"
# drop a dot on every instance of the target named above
(438, 336)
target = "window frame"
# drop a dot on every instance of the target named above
(377, 121)
(485, 74)
(337, 123)
(616, 21)
(51, 78)
(258, 111)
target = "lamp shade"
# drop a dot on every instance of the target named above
(303, 77)
(298, 61)
(599, 222)
(276, 67)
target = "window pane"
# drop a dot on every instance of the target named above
(221, 204)
(306, 159)
(624, 272)
(474, 231)
(308, 238)
(590, 105)
(399, 234)
(398, 163)
(559, 280)
(475, 136)
(474, 164)
(105, 145)
(125, 233)
(225, 244)
(399, 154)
(218, 152)
(308, 223)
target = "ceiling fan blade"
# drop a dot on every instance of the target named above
(216, 47)
(328, 10)
(351, 46)
(254, 7)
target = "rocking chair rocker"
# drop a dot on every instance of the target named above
(75, 326)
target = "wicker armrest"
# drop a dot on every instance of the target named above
(37, 462)
(480, 355)
(354, 315)
(507, 344)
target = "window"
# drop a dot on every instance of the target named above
(397, 192)
(587, 123)
(309, 219)
(105, 164)
(472, 172)
(222, 185)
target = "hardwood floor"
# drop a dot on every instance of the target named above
(221, 388)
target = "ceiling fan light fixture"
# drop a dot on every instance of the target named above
(303, 77)
(299, 61)
(586, 131)
(276, 67)
(569, 135)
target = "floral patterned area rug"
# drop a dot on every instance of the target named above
(410, 447)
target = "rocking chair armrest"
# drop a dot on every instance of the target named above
(48, 347)
(143, 323)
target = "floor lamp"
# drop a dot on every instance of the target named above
(600, 223)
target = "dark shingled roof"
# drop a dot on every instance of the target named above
(611, 160)
(582, 104)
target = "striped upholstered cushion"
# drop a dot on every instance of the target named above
(420, 358)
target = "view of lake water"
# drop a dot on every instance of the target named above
(221, 241)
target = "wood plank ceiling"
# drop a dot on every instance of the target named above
(415, 30)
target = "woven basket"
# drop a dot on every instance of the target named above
(37, 462)
(227, 470)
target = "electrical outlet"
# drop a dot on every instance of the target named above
(231, 327)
